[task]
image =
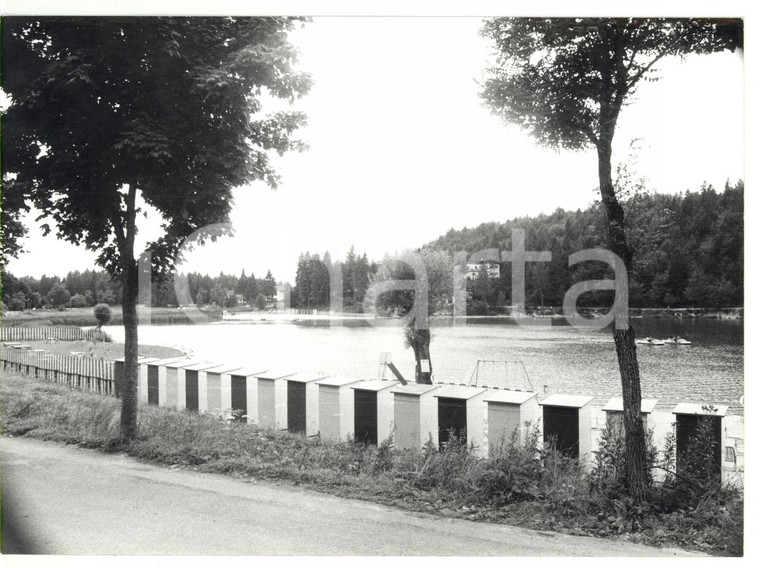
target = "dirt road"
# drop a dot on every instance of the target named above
(66, 500)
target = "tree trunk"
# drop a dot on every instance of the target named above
(419, 341)
(421, 352)
(625, 339)
(129, 388)
(124, 228)
(635, 438)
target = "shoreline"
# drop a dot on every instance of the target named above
(103, 350)
(82, 317)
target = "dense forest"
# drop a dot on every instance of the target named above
(313, 288)
(688, 251)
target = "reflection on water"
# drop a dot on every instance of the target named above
(558, 359)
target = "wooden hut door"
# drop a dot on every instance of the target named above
(365, 416)
(297, 407)
(239, 400)
(452, 416)
(686, 425)
(561, 425)
(191, 390)
(152, 384)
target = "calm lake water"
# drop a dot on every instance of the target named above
(558, 359)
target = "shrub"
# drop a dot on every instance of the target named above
(102, 313)
(513, 472)
(78, 301)
(448, 468)
(17, 302)
(95, 334)
(261, 302)
(691, 472)
(59, 296)
(608, 470)
(696, 462)
(477, 308)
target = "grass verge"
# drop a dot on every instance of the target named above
(103, 349)
(522, 485)
(83, 317)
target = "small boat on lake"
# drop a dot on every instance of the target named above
(677, 341)
(650, 341)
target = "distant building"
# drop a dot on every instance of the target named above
(492, 268)
(282, 296)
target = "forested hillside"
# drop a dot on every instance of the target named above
(688, 250)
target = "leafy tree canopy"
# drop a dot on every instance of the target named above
(111, 115)
(169, 106)
(434, 273)
(564, 80)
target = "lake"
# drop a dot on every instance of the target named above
(558, 359)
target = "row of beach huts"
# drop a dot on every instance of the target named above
(372, 410)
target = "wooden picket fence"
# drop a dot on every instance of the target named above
(80, 372)
(59, 333)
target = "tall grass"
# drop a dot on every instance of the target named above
(52, 411)
(529, 483)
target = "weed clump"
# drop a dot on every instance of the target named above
(689, 505)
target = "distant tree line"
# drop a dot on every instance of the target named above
(224, 290)
(688, 252)
(313, 288)
(77, 289)
(84, 289)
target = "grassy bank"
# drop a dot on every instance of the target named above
(521, 484)
(83, 317)
(103, 350)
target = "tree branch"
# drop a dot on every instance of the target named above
(588, 131)
(117, 223)
(679, 476)
(620, 76)
(665, 51)
(130, 217)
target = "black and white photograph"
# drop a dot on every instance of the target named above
(330, 280)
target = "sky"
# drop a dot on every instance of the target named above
(402, 150)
